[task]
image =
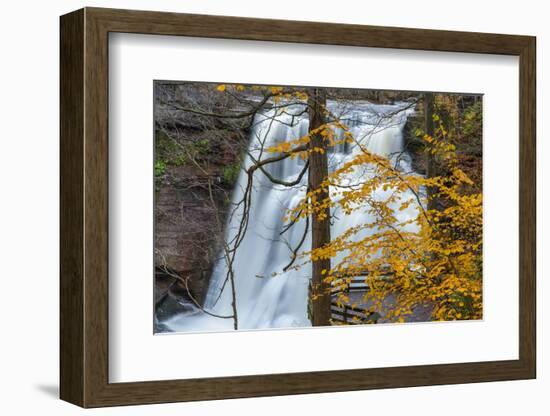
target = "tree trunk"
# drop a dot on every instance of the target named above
(320, 222)
(431, 168)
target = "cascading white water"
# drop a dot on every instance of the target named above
(267, 297)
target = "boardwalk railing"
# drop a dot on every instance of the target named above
(346, 314)
(356, 282)
(352, 284)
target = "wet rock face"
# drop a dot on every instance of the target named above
(189, 225)
(185, 242)
(197, 161)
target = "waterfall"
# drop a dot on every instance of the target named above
(267, 297)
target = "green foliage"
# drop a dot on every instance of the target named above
(473, 121)
(202, 147)
(179, 160)
(160, 167)
(174, 154)
(168, 152)
(165, 146)
(231, 172)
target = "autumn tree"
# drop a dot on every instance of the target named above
(430, 259)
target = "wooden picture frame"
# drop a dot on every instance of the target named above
(84, 207)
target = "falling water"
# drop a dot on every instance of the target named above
(267, 297)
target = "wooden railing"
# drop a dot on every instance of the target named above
(356, 284)
(349, 315)
(346, 314)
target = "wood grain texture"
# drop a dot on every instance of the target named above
(225, 27)
(84, 207)
(71, 99)
(527, 207)
(96, 208)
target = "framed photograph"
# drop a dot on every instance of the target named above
(255, 207)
